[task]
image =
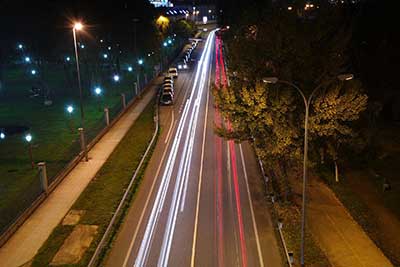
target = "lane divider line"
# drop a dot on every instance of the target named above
(260, 257)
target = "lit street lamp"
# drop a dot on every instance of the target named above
(130, 69)
(33, 72)
(28, 138)
(116, 78)
(78, 27)
(70, 110)
(307, 103)
(2, 135)
(27, 59)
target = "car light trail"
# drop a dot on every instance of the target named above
(232, 153)
(184, 167)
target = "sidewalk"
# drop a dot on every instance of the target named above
(339, 236)
(25, 243)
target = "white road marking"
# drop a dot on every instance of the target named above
(200, 180)
(260, 257)
(170, 127)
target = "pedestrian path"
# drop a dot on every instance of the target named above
(340, 237)
(27, 240)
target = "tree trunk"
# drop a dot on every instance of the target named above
(336, 172)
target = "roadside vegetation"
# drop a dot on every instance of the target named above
(310, 47)
(100, 199)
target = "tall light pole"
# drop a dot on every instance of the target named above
(77, 27)
(307, 103)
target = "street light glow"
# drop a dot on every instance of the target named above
(20, 46)
(2, 135)
(165, 44)
(78, 26)
(109, 48)
(290, 8)
(68, 58)
(97, 90)
(116, 78)
(28, 138)
(70, 109)
(130, 69)
(82, 46)
(170, 41)
(140, 61)
(105, 56)
(27, 59)
(33, 72)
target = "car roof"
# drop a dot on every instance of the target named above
(172, 69)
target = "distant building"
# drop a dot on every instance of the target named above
(161, 3)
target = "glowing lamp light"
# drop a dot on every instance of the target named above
(82, 46)
(140, 61)
(116, 78)
(68, 58)
(27, 59)
(101, 40)
(105, 56)
(70, 109)
(28, 138)
(290, 8)
(130, 69)
(170, 41)
(97, 90)
(165, 44)
(78, 26)
(33, 72)
(20, 46)
(109, 48)
(2, 135)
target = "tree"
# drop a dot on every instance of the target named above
(331, 122)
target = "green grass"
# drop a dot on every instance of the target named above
(103, 194)
(53, 140)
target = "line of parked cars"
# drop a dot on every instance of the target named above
(184, 62)
(167, 94)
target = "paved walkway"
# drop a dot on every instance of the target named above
(25, 243)
(340, 237)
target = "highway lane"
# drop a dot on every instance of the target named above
(193, 207)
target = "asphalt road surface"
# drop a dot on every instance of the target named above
(201, 201)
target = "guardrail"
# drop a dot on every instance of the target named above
(268, 184)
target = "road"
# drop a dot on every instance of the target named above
(201, 201)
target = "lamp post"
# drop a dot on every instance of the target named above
(77, 27)
(307, 102)
(28, 138)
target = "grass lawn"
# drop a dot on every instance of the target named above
(361, 191)
(55, 138)
(103, 194)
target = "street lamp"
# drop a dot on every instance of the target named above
(78, 27)
(2, 135)
(130, 69)
(28, 138)
(70, 110)
(105, 56)
(27, 59)
(68, 59)
(307, 103)
(116, 78)
(140, 61)
(20, 46)
(33, 72)
(97, 90)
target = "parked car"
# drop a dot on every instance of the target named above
(183, 65)
(167, 98)
(173, 72)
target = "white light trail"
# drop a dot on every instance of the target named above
(184, 167)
